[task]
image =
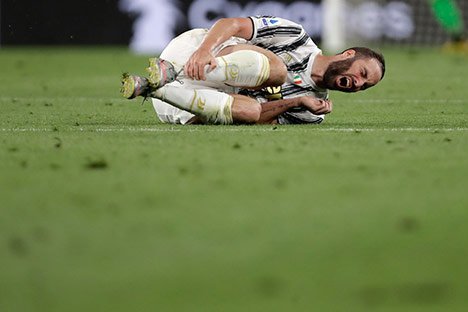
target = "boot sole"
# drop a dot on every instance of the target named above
(153, 70)
(128, 87)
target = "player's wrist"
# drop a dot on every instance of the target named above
(301, 101)
(208, 50)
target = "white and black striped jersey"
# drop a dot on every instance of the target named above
(292, 44)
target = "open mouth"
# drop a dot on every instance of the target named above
(344, 82)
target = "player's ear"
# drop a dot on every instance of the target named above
(349, 53)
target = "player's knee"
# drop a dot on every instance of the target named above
(247, 113)
(278, 73)
(253, 114)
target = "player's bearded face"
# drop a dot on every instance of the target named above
(335, 77)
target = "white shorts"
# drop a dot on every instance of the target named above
(178, 52)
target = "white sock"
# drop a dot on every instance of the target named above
(243, 68)
(212, 106)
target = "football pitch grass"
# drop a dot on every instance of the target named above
(103, 208)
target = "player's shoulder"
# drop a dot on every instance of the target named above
(273, 21)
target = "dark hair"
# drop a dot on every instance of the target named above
(362, 52)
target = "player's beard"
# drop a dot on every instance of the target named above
(334, 70)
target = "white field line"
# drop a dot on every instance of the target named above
(234, 129)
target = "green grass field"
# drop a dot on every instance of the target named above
(102, 208)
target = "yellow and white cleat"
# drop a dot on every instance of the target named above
(161, 72)
(133, 86)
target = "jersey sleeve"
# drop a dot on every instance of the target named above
(270, 30)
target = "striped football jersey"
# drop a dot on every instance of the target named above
(292, 44)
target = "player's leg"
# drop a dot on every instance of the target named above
(168, 113)
(243, 67)
(239, 65)
(209, 105)
(242, 53)
(246, 69)
(176, 53)
(244, 110)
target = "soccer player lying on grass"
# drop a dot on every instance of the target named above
(250, 70)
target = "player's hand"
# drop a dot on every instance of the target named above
(195, 66)
(317, 106)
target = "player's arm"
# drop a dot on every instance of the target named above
(271, 110)
(221, 31)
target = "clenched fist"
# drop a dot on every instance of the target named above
(317, 106)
